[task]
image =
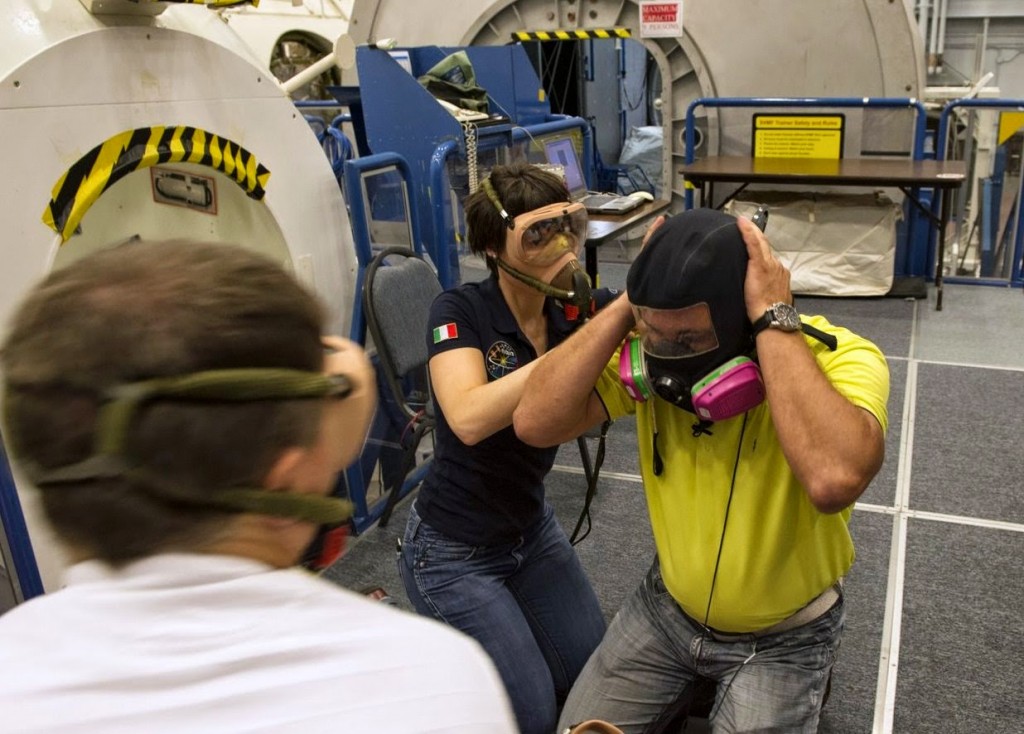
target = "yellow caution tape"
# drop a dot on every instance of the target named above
(574, 35)
(128, 151)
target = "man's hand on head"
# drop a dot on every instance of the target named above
(660, 220)
(767, 280)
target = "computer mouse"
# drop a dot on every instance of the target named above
(642, 195)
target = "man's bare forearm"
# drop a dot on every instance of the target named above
(834, 447)
(558, 402)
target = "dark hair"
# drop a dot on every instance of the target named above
(146, 310)
(521, 187)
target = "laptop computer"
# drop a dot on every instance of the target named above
(560, 152)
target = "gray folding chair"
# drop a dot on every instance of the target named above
(397, 293)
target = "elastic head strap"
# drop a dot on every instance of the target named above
(121, 404)
(829, 340)
(492, 195)
(306, 507)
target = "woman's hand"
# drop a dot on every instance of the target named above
(345, 357)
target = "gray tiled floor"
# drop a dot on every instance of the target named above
(978, 325)
(962, 645)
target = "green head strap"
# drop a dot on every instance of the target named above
(121, 404)
(492, 195)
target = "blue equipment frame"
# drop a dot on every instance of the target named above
(1016, 276)
(392, 112)
(388, 424)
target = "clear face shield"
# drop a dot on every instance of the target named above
(676, 333)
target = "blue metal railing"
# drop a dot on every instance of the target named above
(826, 102)
(917, 152)
(322, 104)
(355, 174)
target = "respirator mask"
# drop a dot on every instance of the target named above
(549, 240)
(678, 357)
(694, 345)
(120, 406)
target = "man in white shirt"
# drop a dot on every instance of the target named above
(185, 424)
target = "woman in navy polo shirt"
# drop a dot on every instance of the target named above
(482, 550)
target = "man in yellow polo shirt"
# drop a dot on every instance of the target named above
(758, 429)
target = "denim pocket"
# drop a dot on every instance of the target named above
(432, 547)
(655, 583)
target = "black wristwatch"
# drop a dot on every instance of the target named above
(779, 316)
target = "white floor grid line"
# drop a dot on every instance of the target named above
(622, 476)
(977, 522)
(888, 664)
(972, 365)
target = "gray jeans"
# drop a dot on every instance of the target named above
(642, 674)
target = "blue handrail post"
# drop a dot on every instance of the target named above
(23, 566)
(443, 253)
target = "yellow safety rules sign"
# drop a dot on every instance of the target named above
(798, 136)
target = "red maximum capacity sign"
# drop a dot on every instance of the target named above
(661, 19)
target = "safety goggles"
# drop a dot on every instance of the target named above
(675, 333)
(542, 236)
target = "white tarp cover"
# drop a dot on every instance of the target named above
(833, 244)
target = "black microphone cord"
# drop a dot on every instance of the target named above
(591, 487)
(714, 576)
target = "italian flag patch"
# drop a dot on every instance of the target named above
(446, 332)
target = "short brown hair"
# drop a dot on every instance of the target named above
(521, 187)
(141, 311)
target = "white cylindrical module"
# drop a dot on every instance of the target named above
(73, 83)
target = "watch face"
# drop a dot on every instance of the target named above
(785, 317)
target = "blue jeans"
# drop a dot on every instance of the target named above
(528, 603)
(641, 676)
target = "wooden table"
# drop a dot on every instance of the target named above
(604, 227)
(905, 174)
